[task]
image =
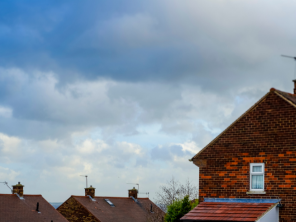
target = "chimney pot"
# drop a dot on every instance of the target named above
(18, 189)
(294, 86)
(90, 191)
(133, 193)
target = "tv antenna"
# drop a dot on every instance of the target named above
(135, 184)
(291, 57)
(6, 185)
(147, 193)
(85, 178)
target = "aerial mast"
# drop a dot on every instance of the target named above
(85, 178)
(6, 185)
(292, 57)
(294, 80)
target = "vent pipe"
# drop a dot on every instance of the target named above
(37, 208)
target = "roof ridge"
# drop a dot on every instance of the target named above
(110, 197)
(23, 195)
(33, 195)
(288, 97)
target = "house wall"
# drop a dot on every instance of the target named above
(271, 216)
(266, 134)
(73, 211)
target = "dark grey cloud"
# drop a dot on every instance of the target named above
(169, 41)
(167, 153)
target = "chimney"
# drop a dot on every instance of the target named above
(133, 193)
(294, 86)
(90, 191)
(18, 189)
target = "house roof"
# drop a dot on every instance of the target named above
(288, 97)
(14, 209)
(126, 209)
(249, 210)
(291, 98)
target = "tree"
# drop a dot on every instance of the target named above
(174, 191)
(179, 208)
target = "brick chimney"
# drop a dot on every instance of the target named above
(90, 191)
(19, 189)
(294, 86)
(133, 193)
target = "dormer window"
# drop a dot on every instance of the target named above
(257, 177)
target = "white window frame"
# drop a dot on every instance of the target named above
(257, 173)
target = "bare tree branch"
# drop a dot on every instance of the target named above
(175, 191)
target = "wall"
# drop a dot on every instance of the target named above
(73, 211)
(267, 134)
(271, 216)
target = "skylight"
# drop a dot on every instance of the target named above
(109, 202)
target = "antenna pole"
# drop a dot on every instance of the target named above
(85, 179)
(6, 185)
(292, 57)
(135, 184)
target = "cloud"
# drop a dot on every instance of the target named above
(7, 174)
(162, 41)
(57, 163)
(175, 154)
(128, 91)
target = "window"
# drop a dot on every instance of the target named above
(109, 202)
(257, 176)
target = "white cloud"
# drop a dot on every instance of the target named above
(9, 145)
(7, 174)
(190, 146)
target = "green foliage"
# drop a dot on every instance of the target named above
(194, 203)
(179, 208)
(173, 211)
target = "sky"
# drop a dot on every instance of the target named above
(128, 91)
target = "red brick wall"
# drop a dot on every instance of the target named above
(73, 211)
(265, 134)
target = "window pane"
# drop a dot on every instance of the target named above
(257, 168)
(257, 182)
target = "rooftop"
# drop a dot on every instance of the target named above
(14, 209)
(124, 209)
(225, 209)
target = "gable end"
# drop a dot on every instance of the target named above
(194, 159)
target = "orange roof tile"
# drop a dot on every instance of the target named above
(227, 211)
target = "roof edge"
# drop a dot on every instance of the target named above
(269, 209)
(245, 113)
(241, 200)
(85, 207)
(284, 98)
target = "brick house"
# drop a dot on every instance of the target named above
(91, 208)
(18, 207)
(251, 166)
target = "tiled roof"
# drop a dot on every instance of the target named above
(227, 211)
(126, 209)
(14, 209)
